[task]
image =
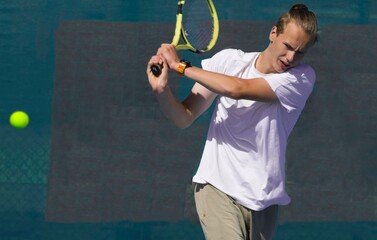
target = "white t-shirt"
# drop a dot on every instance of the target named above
(244, 154)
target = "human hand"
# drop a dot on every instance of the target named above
(158, 83)
(168, 52)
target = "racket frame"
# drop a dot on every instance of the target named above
(179, 33)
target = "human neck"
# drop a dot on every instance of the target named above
(263, 64)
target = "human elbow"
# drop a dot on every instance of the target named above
(241, 92)
(235, 92)
(183, 123)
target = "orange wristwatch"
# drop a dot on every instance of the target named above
(183, 64)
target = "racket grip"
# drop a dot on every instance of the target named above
(156, 69)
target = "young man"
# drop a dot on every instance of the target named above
(241, 177)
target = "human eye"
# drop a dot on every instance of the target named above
(289, 47)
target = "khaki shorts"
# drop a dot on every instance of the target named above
(222, 218)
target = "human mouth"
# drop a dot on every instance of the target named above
(284, 65)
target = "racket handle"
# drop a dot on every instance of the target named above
(156, 69)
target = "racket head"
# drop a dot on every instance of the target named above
(197, 24)
(198, 27)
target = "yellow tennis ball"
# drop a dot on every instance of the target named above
(19, 119)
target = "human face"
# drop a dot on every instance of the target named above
(289, 47)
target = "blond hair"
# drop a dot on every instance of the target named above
(303, 17)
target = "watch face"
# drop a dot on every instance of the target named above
(181, 68)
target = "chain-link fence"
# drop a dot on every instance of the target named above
(23, 169)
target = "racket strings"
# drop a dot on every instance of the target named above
(198, 24)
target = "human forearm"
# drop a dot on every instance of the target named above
(173, 109)
(219, 83)
(237, 88)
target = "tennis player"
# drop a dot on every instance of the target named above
(259, 96)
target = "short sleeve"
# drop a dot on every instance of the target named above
(293, 87)
(222, 61)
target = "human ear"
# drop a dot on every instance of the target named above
(273, 34)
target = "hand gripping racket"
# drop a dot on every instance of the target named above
(198, 27)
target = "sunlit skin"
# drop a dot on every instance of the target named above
(285, 50)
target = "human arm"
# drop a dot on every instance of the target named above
(256, 89)
(182, 114)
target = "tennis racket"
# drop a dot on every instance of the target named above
(197, 25)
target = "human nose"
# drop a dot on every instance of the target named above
(290, 56)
